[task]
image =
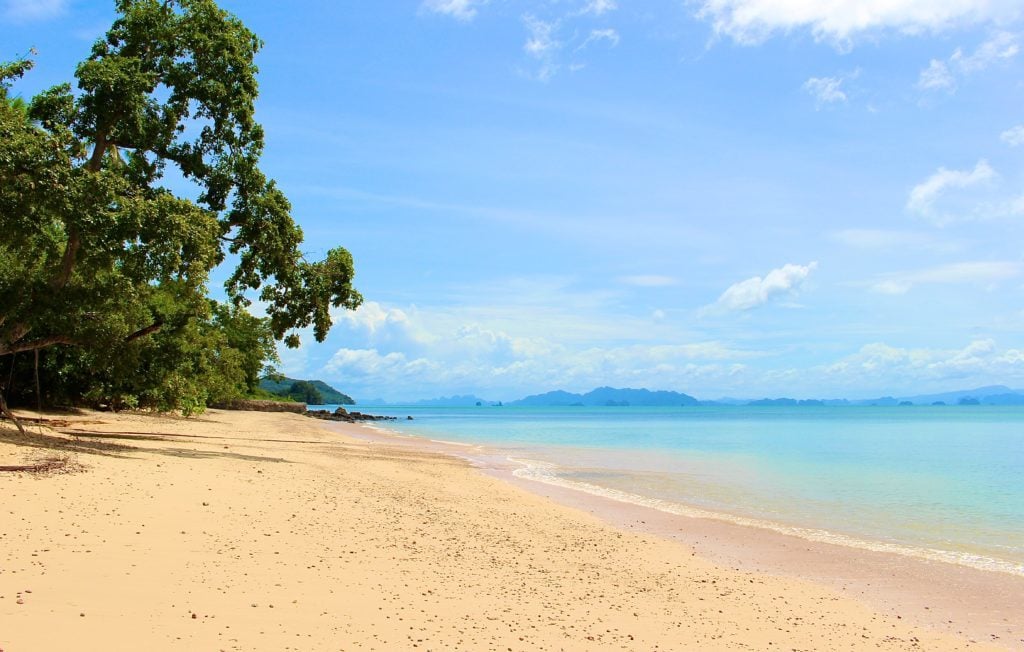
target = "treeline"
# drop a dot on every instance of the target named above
(104, 268)
(193, 361)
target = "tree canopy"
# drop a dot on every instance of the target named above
(101, 253)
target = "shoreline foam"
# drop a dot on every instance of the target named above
(958, 598)
(540, 471)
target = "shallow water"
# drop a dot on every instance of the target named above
(937, 482)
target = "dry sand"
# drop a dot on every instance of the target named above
(253, 531)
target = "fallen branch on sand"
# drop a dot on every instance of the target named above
(45, 465)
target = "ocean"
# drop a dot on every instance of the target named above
(937, 482)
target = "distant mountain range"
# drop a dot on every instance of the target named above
(609, 396)
(612, 397)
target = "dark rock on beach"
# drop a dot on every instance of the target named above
(341, 414)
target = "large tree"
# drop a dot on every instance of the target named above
(96, 250)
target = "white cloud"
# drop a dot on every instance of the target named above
(23, 11)
(598, 7)
(753, 21)
(1001, 47)
(648, 280)
(970, 272)
(757, 291)
(939, 75)
(542, 45)
(464, 10)
(1013, 136)
(541, 40)
(936, 77)
(923, 197)
(825, 90)
(981, 360)
(609, 35)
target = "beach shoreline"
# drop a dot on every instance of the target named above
(957, 599)
(242, 531)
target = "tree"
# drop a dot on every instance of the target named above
(305, 392)
(96, 250)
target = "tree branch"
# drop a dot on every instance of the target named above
(142, 332)
(41, 343)
(67, 263)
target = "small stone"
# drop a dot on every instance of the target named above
(194, 616)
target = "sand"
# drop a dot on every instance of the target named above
(254, 531)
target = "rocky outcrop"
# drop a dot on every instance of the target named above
(341, 414)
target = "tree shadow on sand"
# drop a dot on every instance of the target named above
(73, 440)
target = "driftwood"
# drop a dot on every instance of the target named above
(43, 466)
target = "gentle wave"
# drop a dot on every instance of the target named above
(547, 473)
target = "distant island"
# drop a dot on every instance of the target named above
(313, 392)
(625, 397)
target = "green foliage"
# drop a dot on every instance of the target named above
(97, 254)
(305, 392)
(279, 385)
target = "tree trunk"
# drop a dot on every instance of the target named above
(6, 411)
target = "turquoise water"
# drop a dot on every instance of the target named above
(938, 482)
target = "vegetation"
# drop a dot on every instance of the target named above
(285, 387)
(104, 263)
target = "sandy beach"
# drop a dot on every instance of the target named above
(254, 531)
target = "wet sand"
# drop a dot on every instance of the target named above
(253, 531)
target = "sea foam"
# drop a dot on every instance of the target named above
(548, 473)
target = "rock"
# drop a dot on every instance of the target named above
(341, 415)
(408, 418)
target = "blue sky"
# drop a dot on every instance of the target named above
(722, 197)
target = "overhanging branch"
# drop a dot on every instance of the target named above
(142, 332)
(35, 345)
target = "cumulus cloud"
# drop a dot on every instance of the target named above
(1001, 47)
(1013, 136)
(941, 75)
(374, 357)
(969, 272)
(23, 11)
(839, 21)
(758, 291)
(980, 359)
(825, 90)
(464, 10)
(924, 196)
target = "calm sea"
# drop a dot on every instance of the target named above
(937, 482)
